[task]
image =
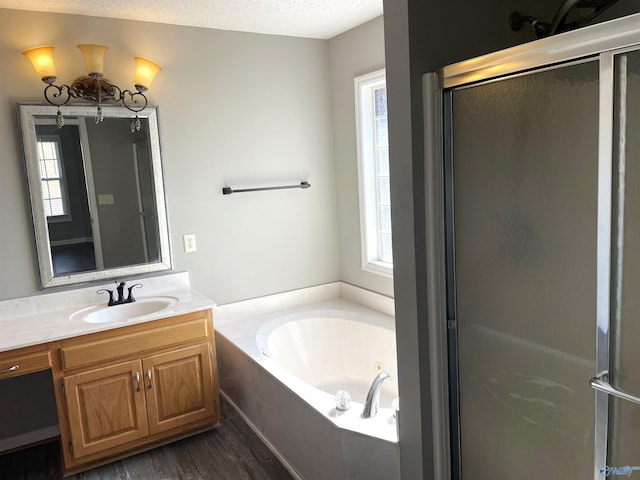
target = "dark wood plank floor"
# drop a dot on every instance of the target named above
(230, 452)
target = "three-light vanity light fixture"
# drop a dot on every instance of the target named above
(94, 86)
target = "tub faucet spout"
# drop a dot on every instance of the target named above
(373, 397)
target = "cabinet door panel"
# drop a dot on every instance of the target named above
(105, 409)
(181, 388)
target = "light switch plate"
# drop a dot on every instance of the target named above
(106, 199)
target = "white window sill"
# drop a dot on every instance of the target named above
(380, 268)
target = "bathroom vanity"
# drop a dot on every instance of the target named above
(122, 386)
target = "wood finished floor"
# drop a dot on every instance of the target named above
(230, 452)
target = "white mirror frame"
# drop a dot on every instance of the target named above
(27, 113)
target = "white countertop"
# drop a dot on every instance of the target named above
(45, 318)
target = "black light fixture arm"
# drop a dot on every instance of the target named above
(134, 101)
(58, 95)
(588, 10)
(517, 21)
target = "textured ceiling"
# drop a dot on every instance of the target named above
(299, 18)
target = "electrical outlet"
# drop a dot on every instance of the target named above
(189, 240)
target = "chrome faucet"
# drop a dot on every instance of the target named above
(120, 290)
(373, 397)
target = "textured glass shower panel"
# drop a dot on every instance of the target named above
(624, 420)
(524, 219)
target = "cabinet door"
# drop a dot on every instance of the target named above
(179, 388)
(106, 408)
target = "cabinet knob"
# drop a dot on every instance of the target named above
(149, 386)
(10, 369)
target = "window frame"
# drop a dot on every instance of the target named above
(62, 178)
(364, 88)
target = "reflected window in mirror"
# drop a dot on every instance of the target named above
(69, 222)
(54, 187)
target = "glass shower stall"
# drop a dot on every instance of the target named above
(533, 202)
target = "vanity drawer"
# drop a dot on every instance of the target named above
(135, 340)
(22, 361)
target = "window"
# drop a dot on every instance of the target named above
(373, 172)
(52, 177)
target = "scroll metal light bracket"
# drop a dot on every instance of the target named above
(229, 190)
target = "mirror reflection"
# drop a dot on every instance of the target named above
(96, 193)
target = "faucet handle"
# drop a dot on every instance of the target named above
(110, 292)
(130, 297)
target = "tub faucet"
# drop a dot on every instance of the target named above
(373, 397)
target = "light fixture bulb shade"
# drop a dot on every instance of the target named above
(146, 70)
(42, 60)
(93, 57)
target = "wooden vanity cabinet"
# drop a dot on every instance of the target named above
(104, 409)
(18, 362)
(133, 388)
(178, 388)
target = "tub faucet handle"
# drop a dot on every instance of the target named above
(343, 400)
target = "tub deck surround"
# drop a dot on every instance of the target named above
(303, 425)
(45, 318)
(238, 320)
(249, 334)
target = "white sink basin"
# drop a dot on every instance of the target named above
(122, 313)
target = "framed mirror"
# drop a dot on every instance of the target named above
(97, 193)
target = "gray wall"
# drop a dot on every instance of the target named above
(422, 37)
(353, 53)
(236, 109)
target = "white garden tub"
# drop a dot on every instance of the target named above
(283, 358)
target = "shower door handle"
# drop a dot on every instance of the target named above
(601, 383)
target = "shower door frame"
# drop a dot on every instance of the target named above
(597, 43)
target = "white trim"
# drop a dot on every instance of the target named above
(91, 192)
(71, 241)
(143, 231)
(376, 266)
(364, 85)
